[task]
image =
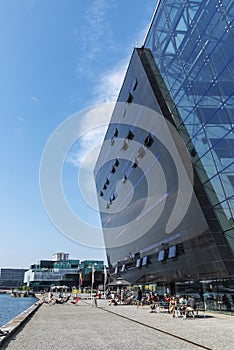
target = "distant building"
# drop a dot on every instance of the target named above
(86, 268)
(11, 278)
(60, 272)
(60, 256)
(47, 273)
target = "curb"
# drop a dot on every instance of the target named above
(12, 326)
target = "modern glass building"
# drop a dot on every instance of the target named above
(192, 45)
(11, 278)
(174, 114)
(59, 272)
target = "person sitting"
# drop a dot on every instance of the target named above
(65, 299)
(153, 308)
(130, 299)
(149, 299)
(156, 298)
(182, 306)
(191, 306)
(48, 299)
(113, 299)
(166, 298)
(166, 302)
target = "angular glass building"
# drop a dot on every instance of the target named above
(174, 114)
(192, 45)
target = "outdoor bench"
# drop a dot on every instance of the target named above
(200, 307)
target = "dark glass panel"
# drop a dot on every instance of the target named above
(206, 167)
(223, 148)
(223, 214)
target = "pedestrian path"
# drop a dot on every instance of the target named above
(84, 326)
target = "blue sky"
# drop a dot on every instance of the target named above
(58, 57)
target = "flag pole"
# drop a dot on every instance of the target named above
(80, 282)
(92, 281)
(105, 280)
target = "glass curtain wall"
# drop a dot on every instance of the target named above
(192, 44)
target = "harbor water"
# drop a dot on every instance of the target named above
(11, 307)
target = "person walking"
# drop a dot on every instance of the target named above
(139, 297)
(173, 306)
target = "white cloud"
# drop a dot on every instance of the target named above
(82, 152)
(105, 91)
(96, 33)
(34, 99)
(109, 85)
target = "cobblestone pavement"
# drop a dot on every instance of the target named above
(84, 326)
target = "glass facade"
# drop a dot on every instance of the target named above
(192, 45)
(48, 273)
(11, 278)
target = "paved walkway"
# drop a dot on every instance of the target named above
(83, 326)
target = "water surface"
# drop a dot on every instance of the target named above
(11, 307)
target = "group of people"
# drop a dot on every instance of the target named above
(182, 305)
(55, 299)
(125, 298)
(175, 306)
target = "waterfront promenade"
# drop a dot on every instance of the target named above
(84, 326)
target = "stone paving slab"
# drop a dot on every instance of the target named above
(215, 331)
(83, 326)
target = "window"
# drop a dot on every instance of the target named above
(135, 164)
(138, 262)
(172, 252)
(130, 135)
(148, 141)
(161, 255)
(116, 134)
(130, 98)
(134, 85)
(144, 260)
(123, 268)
